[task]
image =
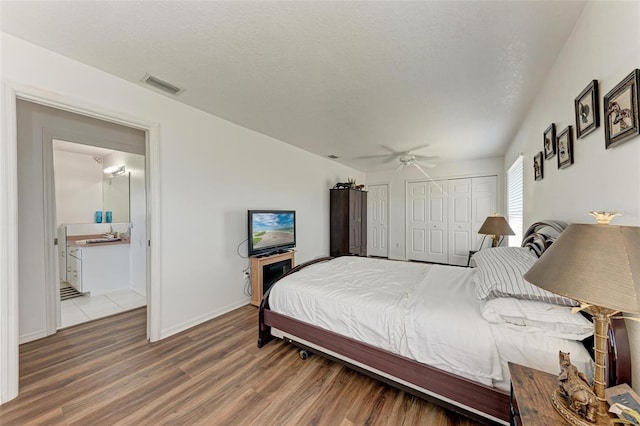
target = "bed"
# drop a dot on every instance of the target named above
(377, 316)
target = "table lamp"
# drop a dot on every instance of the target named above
(599, 266)
(496, 227)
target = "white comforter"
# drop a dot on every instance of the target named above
(425, 312)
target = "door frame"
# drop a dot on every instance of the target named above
(9, 334)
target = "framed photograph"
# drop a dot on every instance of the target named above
(549, 138)
(565, 148)
(621, 107)
(587, 111)
(538, 166)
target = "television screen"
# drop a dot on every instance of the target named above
(271, 230)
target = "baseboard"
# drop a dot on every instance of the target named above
(202, 318)
(32, 336)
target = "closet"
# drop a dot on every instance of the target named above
(348, 227)
(443, 217)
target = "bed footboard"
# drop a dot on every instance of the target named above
(264, 331)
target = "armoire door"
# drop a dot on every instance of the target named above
(355, 222)
(363, 223)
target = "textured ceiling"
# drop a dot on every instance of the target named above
(345, 78)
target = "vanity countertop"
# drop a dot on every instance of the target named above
(80, 240)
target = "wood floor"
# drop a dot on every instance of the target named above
(105, 373)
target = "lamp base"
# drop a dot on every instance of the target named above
(561, 404)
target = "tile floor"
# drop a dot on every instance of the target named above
(86, 308)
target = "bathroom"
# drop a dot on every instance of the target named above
(101, 225)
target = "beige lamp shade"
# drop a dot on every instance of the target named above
(594, 264)
(496, 225)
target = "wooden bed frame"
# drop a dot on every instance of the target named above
(482, 403)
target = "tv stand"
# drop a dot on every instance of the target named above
(267, 269)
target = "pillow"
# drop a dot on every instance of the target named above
(499, 274)
(537, 317)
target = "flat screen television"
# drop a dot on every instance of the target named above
(271, 231)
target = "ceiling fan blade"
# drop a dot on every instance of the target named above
(417, 148)
(391, 150)
(368, 157)
(426, 157)
(391, 159)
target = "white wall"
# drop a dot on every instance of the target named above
(78, 180)
(396, 179)
(211, 172)
(605, 45)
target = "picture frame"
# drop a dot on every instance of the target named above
(621, 107)
(538, 166)
(549, 141)
(587, 110)
(564, 142)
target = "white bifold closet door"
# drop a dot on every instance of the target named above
(459, 220)
(427, 221)
(443, 217)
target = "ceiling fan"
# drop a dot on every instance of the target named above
(406, 158)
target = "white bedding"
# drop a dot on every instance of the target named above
(356, 297)
(428, 313)
(445, 328)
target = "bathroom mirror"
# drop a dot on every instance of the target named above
(115, 195)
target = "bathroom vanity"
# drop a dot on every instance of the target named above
(97, 267)
(95, 263)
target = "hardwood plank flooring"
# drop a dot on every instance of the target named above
(105, 373)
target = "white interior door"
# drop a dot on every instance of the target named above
(459, 221)
(378, 220)
(483, 204)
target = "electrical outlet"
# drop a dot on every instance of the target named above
(247, 274)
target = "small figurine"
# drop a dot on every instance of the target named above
(576, 389)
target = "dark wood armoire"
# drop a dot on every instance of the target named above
(348, 222)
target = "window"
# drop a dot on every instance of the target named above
(514, 201)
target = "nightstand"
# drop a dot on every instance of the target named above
(471, 253)
(531, 397)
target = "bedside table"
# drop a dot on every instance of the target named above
(471, 253)
(531, 397)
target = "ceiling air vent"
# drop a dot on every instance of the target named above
(333, 157)
(162, 85)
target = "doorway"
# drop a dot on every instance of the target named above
(99, 198)
(39, 284)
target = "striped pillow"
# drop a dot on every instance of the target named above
(500, 272)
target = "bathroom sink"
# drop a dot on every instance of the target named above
(100, 240)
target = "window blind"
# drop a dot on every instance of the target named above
(514, 201)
